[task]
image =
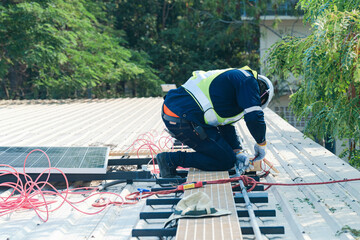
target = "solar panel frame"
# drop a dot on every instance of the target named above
(74, 160)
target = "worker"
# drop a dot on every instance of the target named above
(201, 113)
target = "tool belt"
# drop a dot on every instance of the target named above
(168, 115)
(174, 119)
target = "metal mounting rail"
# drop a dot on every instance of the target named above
(240, 213)
(254, 197)
(253, 221)
(171, 232)
(55, 177)
(236, 189)
(240, 196)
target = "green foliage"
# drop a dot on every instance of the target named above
(59, 49)
(316, 8)
(353, 156)
(182, 36)
(328, 66)
(347, 228)
(114, 48)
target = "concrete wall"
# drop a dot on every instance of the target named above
(288, 26)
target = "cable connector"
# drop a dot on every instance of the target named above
(190, 186)
(141, 190)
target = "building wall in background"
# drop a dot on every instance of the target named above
(286, 26)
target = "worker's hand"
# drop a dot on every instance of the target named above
(242, 160)
(259, 151)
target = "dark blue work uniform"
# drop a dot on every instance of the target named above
(231, 92)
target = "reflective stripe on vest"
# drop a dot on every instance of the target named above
(198, 87)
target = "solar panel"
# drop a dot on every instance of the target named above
(67, 159)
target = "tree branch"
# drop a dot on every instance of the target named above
(241, 22)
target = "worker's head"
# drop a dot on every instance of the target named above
(266, 90)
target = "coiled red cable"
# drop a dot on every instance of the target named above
(248, 181)
(31, 194)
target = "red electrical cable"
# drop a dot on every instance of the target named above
(147, 141)
(248, 181)
(139, 195)
(33, 196)
(30, 194)
(168, 139)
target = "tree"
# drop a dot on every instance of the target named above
(181, 36)
(60, 49)
(101, 48)
(328, 68)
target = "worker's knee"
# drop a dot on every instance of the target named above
(227, 162)
(229, 165)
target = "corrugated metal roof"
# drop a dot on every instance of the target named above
(307, 212)
(109, 122)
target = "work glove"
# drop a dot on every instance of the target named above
(242, 160)
(259, 152)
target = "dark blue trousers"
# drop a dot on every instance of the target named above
(212, 153)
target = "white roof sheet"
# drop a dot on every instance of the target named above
(307, 212)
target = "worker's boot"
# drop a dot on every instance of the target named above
(166, 167)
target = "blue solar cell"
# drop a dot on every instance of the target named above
(68, 159)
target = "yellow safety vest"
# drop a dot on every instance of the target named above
(198, 87)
